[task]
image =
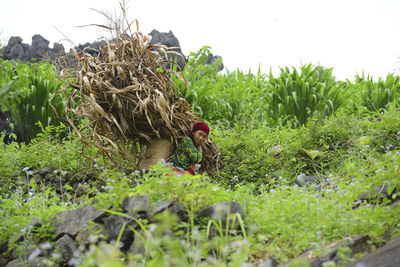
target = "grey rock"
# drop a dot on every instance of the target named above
(84, 236)
(211, 59)
(66, 247)
(36, 262)
(385, 256)
(304, 180)
(34, 223)
(73, 221)
(15, 49)
(5, 120)
(220, 212)
(25, 248)
(136, 203)
(168, 39)
(39, 49)
(37, 252)
(44, 171)
(377, 194)
(268, 262)
(160, 206)
(180, 210)
(114, 224)
(137, 246)
(356, 244)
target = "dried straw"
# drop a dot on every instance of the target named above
(128, 95)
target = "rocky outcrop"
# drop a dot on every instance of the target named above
(39, 49)
(168, 39)
(76, 230)
(385, 256)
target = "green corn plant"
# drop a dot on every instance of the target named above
(378, 95)
(239, 95)
(293, 97)
(32, 105)
(200, 80)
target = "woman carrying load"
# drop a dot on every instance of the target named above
(188, 153)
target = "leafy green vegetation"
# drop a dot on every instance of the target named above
(270, 131)
(25, 90)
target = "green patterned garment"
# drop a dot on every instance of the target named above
(186, 154)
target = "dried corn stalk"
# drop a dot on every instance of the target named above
(128, 96)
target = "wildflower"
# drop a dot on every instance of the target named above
(25, 169)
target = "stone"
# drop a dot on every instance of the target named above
(219, 212)
(25, 248)
(5, 120)
(160, 206)
(304, 180)
(180, 210)
(211, 59)
(36, 222)
(66, 247)
(168, 39)
(268, 262)
(136, 203)
(38, 262)
(356, 244)
(84, 236)
(377, 194)
(114, 224)
(73, 221)
(385, 256)
(44, 171)
(137, 246)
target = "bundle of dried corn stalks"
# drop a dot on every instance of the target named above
(129, 98)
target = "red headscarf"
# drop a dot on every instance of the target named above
(201, 126)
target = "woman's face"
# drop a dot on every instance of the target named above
(199, 137)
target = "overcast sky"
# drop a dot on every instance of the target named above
(349, 35)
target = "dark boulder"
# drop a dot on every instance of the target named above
(73, 221)
(356, 244)
(168, 39)
(5, 120)
(385, 256)
(223, 212)
(39, 49)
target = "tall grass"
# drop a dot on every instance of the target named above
(25, 90)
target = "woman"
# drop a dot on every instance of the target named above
(188, 153)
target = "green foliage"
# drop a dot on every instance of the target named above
(265, 154)
(25, 89)
(291, 98)
(353, 149)
(295, 97)
(376, 96)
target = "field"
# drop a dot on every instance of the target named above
(309, 159)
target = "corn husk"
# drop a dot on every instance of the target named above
(129, 98)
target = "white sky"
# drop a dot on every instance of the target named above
(349, 35)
